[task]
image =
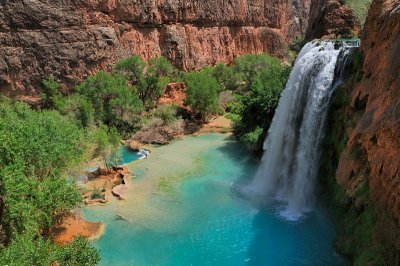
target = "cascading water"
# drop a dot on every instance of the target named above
(292, 149)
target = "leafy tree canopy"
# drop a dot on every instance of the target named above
(202, 93)
(38, 148)
(149, 78)
(114, 101)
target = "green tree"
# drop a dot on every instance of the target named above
(39, 142)
(76, 107)
(149, 79)
(112, 101)
(27, 251)
(107, 141)
(263, 78)
(202, 93)
(224, 75)
(51, 90)
(24, 250)
(78, 253)
(38, 149)
(247, 68)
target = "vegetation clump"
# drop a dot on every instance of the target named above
(202, 93)
(259, 81)
(38, 149)
(360, 8)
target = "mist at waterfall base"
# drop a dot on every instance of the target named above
(289, 166)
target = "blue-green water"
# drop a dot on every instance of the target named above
(124, 156)
(183, 210)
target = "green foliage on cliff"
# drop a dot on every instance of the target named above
(38, 149)
(360, 8)
(355, 225)
(257, 83)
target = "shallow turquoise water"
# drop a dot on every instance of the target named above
(124, 156)
(185, 212)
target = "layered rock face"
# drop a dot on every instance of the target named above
(330, 18)
(372, 152)
(74, 38)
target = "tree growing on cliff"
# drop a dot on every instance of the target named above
(149, 79)
(202, 93)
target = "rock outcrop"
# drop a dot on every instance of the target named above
(72, 39)
(174, 94)
(373, 148)
(330, 19)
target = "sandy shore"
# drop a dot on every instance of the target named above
(73, 226)
(220, 124)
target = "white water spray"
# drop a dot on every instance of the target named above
(292, 149)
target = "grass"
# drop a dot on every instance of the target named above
(360, 8)
(97, 194)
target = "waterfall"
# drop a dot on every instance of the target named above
(290, 162)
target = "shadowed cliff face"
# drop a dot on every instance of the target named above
(71, 39)
(373, 150)
(330, 18)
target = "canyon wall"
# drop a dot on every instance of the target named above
(360, 169)
(71, 39)
(372, 155)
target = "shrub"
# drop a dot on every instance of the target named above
(38, 149)
(96, 194)
(167, 113)
(51, 89)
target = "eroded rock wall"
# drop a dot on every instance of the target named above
(71, 39)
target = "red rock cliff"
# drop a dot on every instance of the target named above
(71, 39)
(376, 137)
(329, 19)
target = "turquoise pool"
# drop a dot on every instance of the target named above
(183, 210)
